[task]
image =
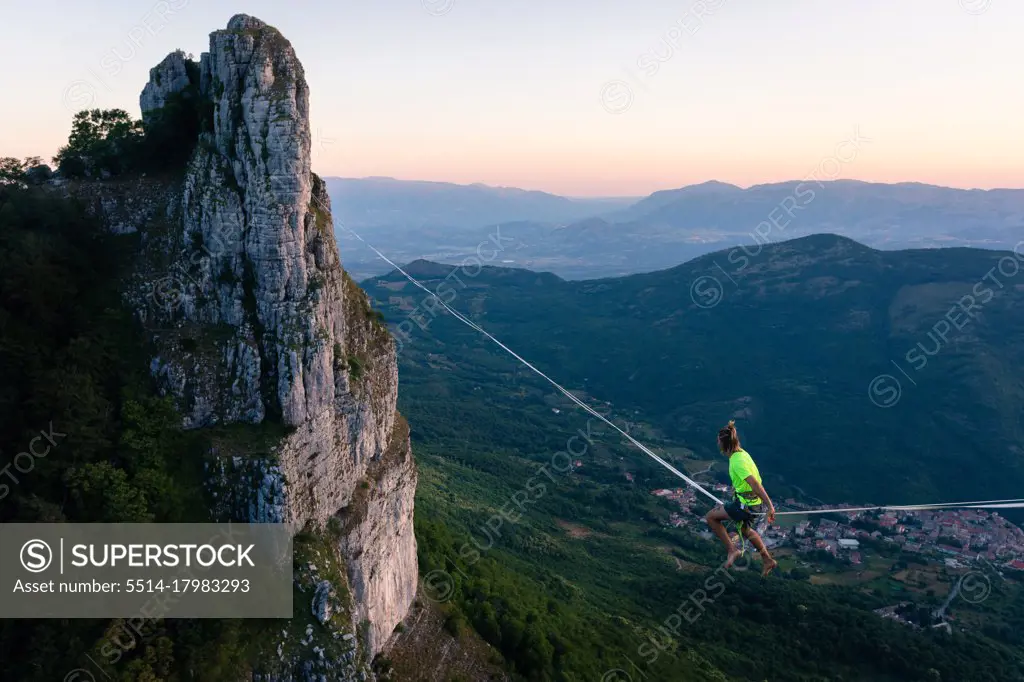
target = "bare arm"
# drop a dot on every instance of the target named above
(759, 490)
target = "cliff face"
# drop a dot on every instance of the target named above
(257, 324)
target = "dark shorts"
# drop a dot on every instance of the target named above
(750, 515)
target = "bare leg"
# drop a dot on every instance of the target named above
(714, 519)
(768, 563)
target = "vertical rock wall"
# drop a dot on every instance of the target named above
(256, 322)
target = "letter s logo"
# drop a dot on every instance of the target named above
(36, 556)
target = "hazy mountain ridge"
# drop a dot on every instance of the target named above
(896, 212)
(379, 201)
(673, 226)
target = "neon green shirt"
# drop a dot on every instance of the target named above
(742, 465)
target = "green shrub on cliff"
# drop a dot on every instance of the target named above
(107, 143)
(102, 143)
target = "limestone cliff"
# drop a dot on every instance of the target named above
(255, 323)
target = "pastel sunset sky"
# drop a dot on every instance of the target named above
(577, 97)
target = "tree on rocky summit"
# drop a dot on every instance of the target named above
(102, 142)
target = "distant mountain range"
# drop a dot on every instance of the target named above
(586, 238)
(857, 374)
(411, 204)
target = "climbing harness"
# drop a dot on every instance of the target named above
(759, 521)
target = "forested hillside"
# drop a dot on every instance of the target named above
(790, 340)
(516, 543)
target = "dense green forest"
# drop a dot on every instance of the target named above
(84, 434)
(73, 367)
(517, 545)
